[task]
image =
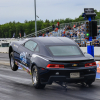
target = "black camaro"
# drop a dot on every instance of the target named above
(52, 59)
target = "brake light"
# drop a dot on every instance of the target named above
(90, 64)
(55, 66)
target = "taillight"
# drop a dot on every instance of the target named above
(90, 64)
(55, 66)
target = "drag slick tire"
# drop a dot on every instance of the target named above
(36, 79)
(89, 82)
(14, 67)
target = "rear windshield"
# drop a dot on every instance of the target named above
(65, 50)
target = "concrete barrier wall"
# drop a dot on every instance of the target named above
(96, 50)
(84, 49)
(4, 49)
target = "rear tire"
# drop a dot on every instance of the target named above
(14, 67)
(36, 79)
(89, 82)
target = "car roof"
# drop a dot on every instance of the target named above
(54, 40)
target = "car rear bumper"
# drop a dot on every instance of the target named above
(48, 76)
(71, 80)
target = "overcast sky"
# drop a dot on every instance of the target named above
(21, 10)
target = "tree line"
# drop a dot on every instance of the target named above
(8, 29)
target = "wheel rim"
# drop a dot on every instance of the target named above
(12, 62)
(34, 76)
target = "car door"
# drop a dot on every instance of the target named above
(23, 55)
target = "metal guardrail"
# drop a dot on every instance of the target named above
(40, 31)
(74, 23)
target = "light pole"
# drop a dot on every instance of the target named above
(35, 18)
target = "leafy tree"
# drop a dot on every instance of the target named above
(7, 29)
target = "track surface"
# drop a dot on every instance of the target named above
(18, 86)
(4, 57)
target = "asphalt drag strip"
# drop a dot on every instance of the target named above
(18, 86)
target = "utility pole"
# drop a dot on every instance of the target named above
(35, 18)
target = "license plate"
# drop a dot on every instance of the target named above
(74, 75)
